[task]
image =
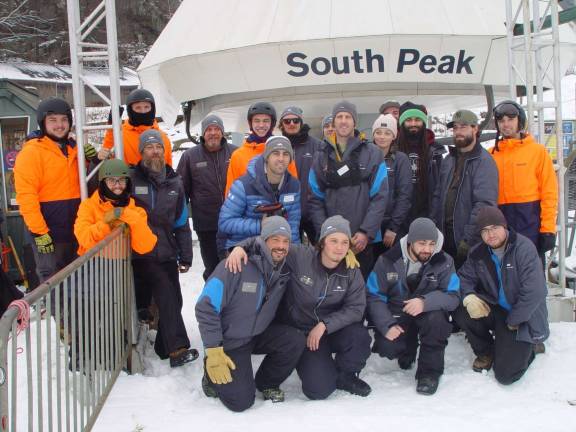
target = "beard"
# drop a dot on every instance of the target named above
(413, 131)
(155, 164)
(463, 141)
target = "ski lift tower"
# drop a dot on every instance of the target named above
(532, 31)
(84, 53)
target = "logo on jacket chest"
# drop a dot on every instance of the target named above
(392, 277)
(306, 280)
(338, 288)
(203, 164)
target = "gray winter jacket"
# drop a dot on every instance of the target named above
(165, 205)
(399, 191)
(387, 288)
(355, 188)
(478, 188)
(516, 283)
(204, 176)
(233, 308)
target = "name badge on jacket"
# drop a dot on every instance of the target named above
(141, 190)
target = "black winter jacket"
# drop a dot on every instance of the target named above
(517, 284)
(399, 191)
(204, 176)
(165, 205)
(233, 308)
(478, 188)
(387, 288)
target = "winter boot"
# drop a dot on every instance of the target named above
(273, 394)
(350, 382)
(427, 385)
(406, 361)
(182, 356)
(207, 388)
(539, 348)
(482, 362)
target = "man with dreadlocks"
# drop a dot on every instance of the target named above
(425, 157)
(528, 189)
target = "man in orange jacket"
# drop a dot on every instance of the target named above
(261, 119)
(48, 189)
(528, 189)
(141, 117)
(110, 206)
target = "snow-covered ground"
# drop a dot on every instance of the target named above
(172, 400)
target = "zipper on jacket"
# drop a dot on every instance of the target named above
(322, 299)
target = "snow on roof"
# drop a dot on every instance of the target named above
(23, 71)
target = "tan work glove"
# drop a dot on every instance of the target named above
(218, 365)
(113, 215)
(351, 261)
(476, 307)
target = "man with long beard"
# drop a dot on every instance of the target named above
(425, 157)
(468, 182)
(159, 190)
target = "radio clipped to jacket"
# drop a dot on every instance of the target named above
(275, 209)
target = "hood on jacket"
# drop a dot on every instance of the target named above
(438, 248)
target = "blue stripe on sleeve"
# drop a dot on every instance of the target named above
(214, 290)
(374, 288)
(183, 218)
(454, 284)
(381, 176)
(313, 182)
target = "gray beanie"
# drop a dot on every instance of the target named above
(294, 110)
(326, 120)
(275, 225)
(335, 224)
(150, 136)
(212, 120)
(345, 106)
(422, 229)
(278, 142)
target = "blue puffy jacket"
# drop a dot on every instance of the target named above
(238, 216)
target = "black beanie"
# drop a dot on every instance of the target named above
(490, 216)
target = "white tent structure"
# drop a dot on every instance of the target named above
(226, 54)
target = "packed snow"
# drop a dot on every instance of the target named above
(171, 399)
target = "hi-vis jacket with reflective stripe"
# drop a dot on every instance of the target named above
(48, 188)
(233, 308)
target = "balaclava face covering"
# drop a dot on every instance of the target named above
(141, 119)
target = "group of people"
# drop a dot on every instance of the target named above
(311, 246)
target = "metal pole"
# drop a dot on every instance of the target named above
(528, 65)
(559, 145)
(540, 69)
(510, 37)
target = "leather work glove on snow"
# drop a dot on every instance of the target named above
(44, 243)
(476, 307)
(218, 365)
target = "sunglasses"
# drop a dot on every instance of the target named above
(291, 120)
(507, 110)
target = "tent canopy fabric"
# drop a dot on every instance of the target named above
(225, 54)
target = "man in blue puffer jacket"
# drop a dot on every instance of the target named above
(267, 189)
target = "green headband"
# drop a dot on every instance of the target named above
(414, 113)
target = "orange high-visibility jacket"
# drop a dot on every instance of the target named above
(528, 189)
(48, 188)
(131, 138)
(90, 227)
(239, 162)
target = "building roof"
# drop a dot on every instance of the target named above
(23, 71)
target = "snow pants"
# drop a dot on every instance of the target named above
(432, 328)
(491, 336)
(161, 280)
(318, 370)
(282, 345)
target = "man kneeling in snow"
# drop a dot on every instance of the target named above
(234, 312)
(504, 310)
(410, 291)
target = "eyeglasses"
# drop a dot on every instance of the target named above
(287, 121)
(121, 181)
(506, 109)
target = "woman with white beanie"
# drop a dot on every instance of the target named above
(384, 133)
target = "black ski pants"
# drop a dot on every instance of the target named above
(209, 251)
(491, 336)
(432, 328)
(282, 345)
(318, 370)
(161, 280)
